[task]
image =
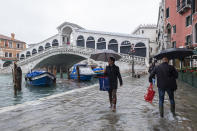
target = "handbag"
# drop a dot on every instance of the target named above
(104, 83)
(150, 94)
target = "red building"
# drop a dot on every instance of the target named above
(178, 22)
(194, 22)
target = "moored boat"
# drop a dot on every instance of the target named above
(99, 71)
(85, 72)
(40, 78)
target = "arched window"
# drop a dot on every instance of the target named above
(47, 45)
(28, 54)
(22, 57)
(113, 45)
(90, 43)
(40, 48)
(80, 41)
(140, 49)
(168, 32)
(125, 47)
(34, 51)
(101, 43)
(55, 42)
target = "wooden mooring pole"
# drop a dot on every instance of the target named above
(68, 73)
(78, 74)
(61, 72)
(17, 78)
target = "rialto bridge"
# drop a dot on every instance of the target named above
(73, 44)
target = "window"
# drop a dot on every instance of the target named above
(195, 4)
(6, 54)
(10, 44)
(5, 44)
(167, 12)
(142, 31)
(188, 20)
(21, 46)
(17, 55)
(10, 54)
(188, 40)
(174, 28)
(174, 44)
(18, 45)
(178, 4)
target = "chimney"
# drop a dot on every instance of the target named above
(12, 36)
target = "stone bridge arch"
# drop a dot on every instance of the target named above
(51, 58)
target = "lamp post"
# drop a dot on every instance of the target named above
(132, 53)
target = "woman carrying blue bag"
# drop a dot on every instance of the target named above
(113, 73)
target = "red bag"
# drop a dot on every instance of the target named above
(150, 94)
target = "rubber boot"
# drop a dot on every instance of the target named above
(161, 111)
(172, 107)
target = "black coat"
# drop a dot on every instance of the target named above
(166, 76)
(113, 73)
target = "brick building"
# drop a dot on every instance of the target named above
(9, 49)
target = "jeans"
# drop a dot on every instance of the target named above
(162, 96)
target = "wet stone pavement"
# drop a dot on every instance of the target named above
(87, 109)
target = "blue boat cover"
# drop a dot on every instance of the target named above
(98, 69)
(35, 73)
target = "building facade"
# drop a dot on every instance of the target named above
(178, 23)
(161, 40)
(150, 32)
(10, 49)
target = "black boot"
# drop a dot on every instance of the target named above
(173, 109)
(161, 110)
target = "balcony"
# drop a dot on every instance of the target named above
(184, 6)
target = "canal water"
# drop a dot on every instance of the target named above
(29, 93)
(87, 109)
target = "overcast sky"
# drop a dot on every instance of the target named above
(35, 20)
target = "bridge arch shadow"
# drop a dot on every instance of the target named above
(66, 60)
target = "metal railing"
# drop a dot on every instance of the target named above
(184, 4)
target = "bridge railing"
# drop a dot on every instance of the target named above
(77, 50)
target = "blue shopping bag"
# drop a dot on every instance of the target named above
(104, 83)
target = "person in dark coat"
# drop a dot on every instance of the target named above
(113, 73)
(166, 82)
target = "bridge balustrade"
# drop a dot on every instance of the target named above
(77, 50)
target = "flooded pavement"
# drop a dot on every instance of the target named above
(30, 93)
(87, 109)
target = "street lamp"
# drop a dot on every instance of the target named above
(132, 53)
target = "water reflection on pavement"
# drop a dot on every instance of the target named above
(88, 110)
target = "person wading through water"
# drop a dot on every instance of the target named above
(166, 82)
(113, 73)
